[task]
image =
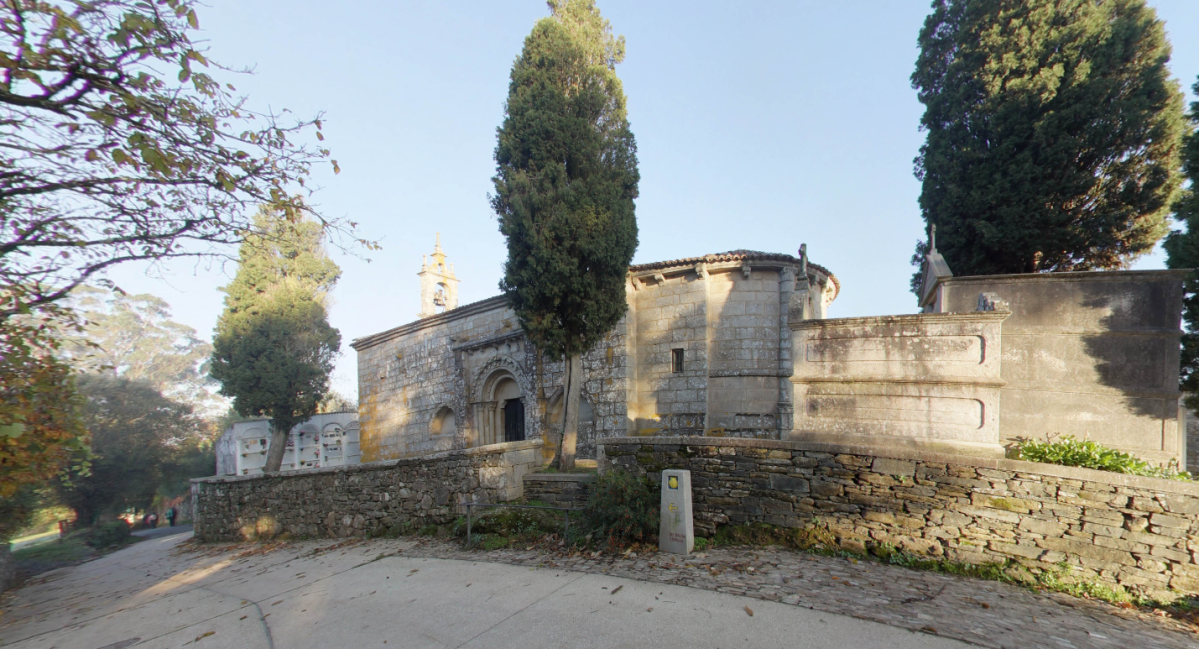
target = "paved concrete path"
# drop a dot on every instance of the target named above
(160, 532)
(329, 594)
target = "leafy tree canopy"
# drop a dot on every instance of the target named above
(41, 428)
(273, 349)
(117, 144)
(1053, 133)
(133, 336)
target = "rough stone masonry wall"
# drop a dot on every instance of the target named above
(559, 489)
(363, 499)
(1140, 533)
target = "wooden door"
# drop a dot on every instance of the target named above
(514, 420)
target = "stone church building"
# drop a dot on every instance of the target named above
(704, 349)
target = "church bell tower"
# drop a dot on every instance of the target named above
(438, 286)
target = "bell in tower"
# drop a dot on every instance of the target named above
(438, 286)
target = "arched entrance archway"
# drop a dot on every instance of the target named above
(500, 414)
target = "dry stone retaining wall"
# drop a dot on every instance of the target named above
(559, 489)
(1139, 533)
(359, 500)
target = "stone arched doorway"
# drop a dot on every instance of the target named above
(500, 413)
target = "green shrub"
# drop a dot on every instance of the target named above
(519, 524)
(492, 542)
(1071, 451)
(621, 510)
(106, 535)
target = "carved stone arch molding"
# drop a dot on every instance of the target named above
(485, 376)
(503, 366)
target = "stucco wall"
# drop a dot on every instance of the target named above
(364, 499)
(1092, 354)
(1138, 533)
(928, 381)
(1192, 437)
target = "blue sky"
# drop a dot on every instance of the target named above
(759, 126)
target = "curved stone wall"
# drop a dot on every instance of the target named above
(1139, 533)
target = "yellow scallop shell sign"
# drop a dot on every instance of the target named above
(673, 482)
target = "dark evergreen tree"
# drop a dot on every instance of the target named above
(1053, 133)
(273, 349)
(566, 177)
(1182, 252)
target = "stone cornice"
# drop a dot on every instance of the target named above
(721, 374)
(907, 319)
(488, 342)
(474, 308)
(1111, 275)
(861, 380)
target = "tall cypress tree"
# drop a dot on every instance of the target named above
(1053, 133)
(1182, 251)
(566, 177)
(273, 349)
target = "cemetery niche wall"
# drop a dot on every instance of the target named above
(325, 440)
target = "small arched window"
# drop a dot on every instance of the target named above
(443, 423)
(586, 415)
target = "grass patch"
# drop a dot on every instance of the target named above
(61, 551)
(74, 548)
(1071, 451)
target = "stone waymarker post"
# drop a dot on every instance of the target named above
(677, 531)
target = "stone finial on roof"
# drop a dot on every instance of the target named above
(933, 270)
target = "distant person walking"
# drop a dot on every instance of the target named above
(153, 520)
(171, 514)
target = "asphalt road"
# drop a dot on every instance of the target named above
(160, 532)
